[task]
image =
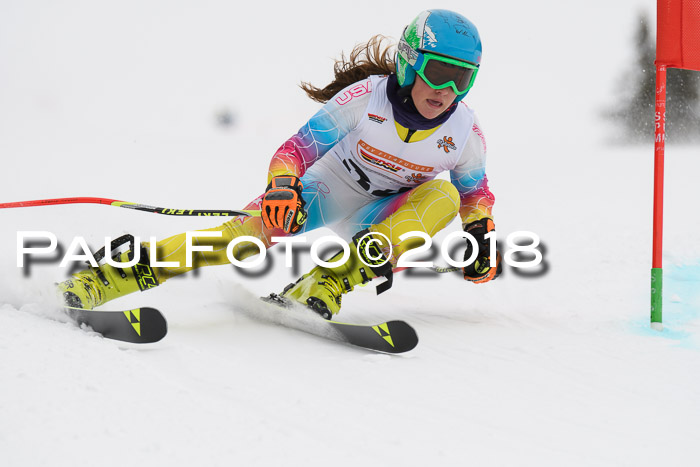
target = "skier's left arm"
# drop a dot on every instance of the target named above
(476, 204)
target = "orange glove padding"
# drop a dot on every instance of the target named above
(480, 270)
(282, 204)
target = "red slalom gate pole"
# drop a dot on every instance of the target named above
(657, 248)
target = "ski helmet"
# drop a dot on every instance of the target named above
(440, 32)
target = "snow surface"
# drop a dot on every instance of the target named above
(122, 100)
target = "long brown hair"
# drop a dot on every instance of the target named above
(374, 57)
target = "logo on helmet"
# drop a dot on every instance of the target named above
(408, 53)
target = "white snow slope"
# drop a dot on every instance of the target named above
(120, 100)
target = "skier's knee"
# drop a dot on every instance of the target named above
(441, 191)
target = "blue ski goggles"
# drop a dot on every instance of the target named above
(440, 72)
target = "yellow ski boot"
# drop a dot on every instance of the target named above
(97, 285)
(322, 288)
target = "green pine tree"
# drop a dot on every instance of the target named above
(635, 113)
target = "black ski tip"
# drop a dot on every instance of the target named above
(138, 326)
(151, 323)
(390, 337)
(404, 337)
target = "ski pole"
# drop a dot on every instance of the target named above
(166, 211)
(438, 269)
(128, 205)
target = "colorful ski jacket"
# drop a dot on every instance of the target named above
(357, 127)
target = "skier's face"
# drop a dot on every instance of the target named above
(431, 102)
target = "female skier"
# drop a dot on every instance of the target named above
(364, 164)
